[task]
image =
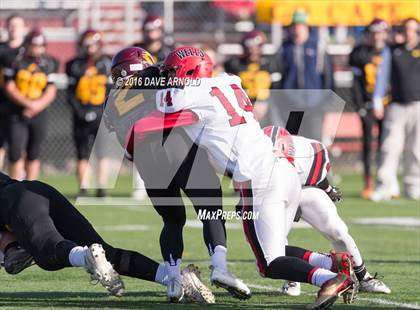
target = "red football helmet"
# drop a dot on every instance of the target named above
(35, 37)
(188, 62)
(90, 37)
(128, 61)
(282, 141)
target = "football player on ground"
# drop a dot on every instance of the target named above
(270, 187)
(88, 84)
(31, 90)
(165, 156)
(50, 230)
(15, 25)
(310, 157)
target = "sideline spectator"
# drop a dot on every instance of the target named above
(258, 73)
(153, 38)
(306, 65)
(16, 29)
(31, 90)
(365, 61)
(402, 119)
(88, 86)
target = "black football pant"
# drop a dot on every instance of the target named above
(48, 226)
(169, 162)
(368, 122)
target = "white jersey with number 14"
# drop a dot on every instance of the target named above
(226, 126)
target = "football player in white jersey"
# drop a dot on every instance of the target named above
(310, 157)
(269, 186)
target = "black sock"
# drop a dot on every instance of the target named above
(295, 251)
(360, 271)
(136, 265)
(289, 268)
(62, 251)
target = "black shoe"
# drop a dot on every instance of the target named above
(83, 193)
(16, 259)
(100, 193)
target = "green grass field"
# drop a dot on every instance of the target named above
(391, 250)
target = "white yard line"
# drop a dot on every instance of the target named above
(379, 301)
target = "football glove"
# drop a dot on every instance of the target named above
(334, 193)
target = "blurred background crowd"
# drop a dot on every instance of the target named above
(56, 55)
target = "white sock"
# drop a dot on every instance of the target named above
(320, 260)
(161, 275)
(173, 268)
(218, 259)
(77, 256)
(320, 276)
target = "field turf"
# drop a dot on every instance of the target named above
(389, 249)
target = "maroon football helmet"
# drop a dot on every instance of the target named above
(253, 38)
(378, 25)
(152, 22)
(90, 37)
(128, 61)
(188, 62)
(35, 37)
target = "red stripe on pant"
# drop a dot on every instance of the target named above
(318, 162)
(249, 229)
(311, 273)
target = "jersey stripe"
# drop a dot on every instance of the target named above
(274, 132)
(318, 163)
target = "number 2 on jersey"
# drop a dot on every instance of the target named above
(243, 102)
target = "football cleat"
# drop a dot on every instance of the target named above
(102, 271)
(224, 279)
(194, 288)
(16, 259)
(380, 195)
(373, 285)
(342, 264)
(341, 285)
(291, 288)
(175, 290)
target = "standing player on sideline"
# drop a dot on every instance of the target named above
(165, 156)
(88, 84)
(43, 222)
(233, 138)
(316, 206)
(154, 43)
(15, 25)
(31, 90)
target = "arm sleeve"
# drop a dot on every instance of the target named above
(328, 72)
(382, 77)
(172, 100)
(357, 92)
(71, 92)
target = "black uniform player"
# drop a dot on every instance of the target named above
(88, 86)
(258, 73)
(15, 25)
(153, 38)
(168, 162)
(43, 222)
(30, 89)
(365, 61)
